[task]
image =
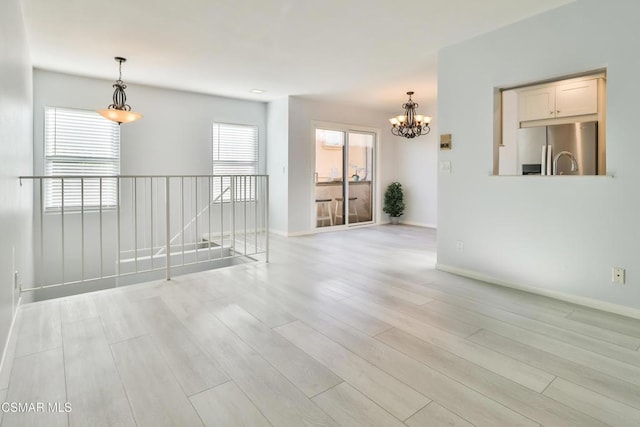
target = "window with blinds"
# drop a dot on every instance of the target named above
(80, 143)
(235, 152)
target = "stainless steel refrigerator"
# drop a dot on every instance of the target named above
(570, 149)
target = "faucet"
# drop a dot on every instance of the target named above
(574, 162)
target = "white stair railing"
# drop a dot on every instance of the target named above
(102, 230)
(194, 220)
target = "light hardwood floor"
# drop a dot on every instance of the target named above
(350, 328)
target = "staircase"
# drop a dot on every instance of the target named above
(210, 221)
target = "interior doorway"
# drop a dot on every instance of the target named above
(344, 177)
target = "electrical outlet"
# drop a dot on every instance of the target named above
(617, 275)
(460, 246)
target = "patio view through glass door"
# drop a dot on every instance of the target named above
(344, 177)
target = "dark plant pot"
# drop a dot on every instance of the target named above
(394, 219)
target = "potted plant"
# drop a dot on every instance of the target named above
(394, 202)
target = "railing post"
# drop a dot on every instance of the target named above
(151, 228)
(134, 203)
(168, 236)
(267, 218)
(196, 217)
(210, 188)
(221, 252)
(244, 209)
(182, 227)
(255, 213)
(233, 213)
(82, 228)
(42, 208)
(100, 237)
(62, 224)
(118, 202)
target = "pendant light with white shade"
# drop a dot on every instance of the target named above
(120, 112)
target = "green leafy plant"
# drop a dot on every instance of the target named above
(394, 200)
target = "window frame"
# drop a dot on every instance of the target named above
(110, 162)
(226, 198)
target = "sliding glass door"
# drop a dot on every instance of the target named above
(360, 183)
(344, 177)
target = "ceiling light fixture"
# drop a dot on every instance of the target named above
(410, 124)
(257, 91)
(120, 111)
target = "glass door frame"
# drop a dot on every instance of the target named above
(375, 191)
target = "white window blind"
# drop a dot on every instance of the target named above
(235, 152)
(80, 143)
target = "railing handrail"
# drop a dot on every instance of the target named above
(131, 176)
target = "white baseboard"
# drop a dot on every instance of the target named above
(290, 234)
(299, 233)
(9, 344)
(575, 299)
(330, 229)
(420, 224)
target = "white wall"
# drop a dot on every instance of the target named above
(416, 168)
(15, 159)
(173, 138)
(554, 234)
(302, 147)
(278, 164)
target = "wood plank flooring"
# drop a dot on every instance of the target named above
(348, 328)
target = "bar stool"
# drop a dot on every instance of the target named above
(353, 210)
(323, 211)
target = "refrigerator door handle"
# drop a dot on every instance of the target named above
(549, 160)
(543, 162)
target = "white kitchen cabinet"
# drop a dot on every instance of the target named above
(575, 99)
(537, 104)
(560, 99)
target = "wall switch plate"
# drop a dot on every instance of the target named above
(460, 246)
(445, 166)
(617, 275)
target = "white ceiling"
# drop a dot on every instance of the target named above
(359, 51)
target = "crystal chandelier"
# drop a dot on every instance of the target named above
(410, 124)
(120, 111)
